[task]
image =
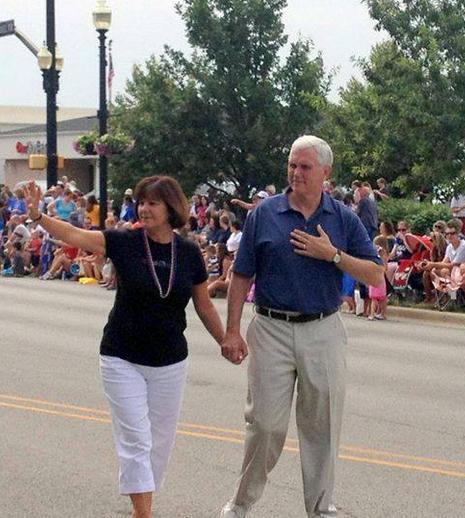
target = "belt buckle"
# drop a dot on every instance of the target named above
(287, 317)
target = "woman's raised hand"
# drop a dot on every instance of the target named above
(33, 195)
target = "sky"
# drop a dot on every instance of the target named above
(340, 29)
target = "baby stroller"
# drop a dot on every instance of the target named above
(407, 280)
(449, 290)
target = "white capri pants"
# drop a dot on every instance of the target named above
(145, 405)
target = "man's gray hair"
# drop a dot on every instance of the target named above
(323, 151)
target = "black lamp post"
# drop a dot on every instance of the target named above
(102, 21)
(51, 64)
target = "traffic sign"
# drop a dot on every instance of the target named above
(7, 28)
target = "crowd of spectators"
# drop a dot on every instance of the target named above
(216, 227)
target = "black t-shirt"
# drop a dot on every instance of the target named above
(142, 327)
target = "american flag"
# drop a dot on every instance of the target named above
(111, 71)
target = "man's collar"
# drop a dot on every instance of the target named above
(327, 203)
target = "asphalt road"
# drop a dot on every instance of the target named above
(402, 452)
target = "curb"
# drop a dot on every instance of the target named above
(442, 317)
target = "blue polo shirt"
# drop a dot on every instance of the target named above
(285, 280)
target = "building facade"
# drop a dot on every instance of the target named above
(18, 143)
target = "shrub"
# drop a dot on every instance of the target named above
(420, 216)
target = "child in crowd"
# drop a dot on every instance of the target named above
(33, 247)
(378, 294)
(348, 292)
(212, 263)
(18, 260)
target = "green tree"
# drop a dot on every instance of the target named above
(228, 112)
(432, 34)
(388, 125)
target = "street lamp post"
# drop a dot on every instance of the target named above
(51, 64)
(102, 22)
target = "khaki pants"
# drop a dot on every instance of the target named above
(281, 354)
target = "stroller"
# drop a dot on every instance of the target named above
(449, 290)
(407, 280)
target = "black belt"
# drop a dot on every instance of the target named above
(293, 317)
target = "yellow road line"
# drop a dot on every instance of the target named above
(54, 412)
(408, 467)
(236, 440)
(58, 405)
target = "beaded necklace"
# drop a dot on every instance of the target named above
(152, 269)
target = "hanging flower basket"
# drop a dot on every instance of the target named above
(113, 144)
(85, 144)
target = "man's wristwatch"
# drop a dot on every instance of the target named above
(337, 257)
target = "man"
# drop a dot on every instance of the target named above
(455, 252)
(257, 198)
(457, 205)
(367, 212)
(296, 245)
(382, 192)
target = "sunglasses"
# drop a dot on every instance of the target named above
(450, 233)
(402, 229)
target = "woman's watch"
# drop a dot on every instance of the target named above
(337, 257)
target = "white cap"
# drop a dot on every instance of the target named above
(128, 192)
(262, 194)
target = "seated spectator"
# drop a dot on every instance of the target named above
(212, 263)
(454, 255)
(437, 255)
(457, 225)
(213, 230)
(440, 226)
(33, 247)
(221, 285)
(17, 260)
(17, 202)
(225, 232)
(63, 207)
(64, 256)
(192, 229)
(226, 211)
(234, 239)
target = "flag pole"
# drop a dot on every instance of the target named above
(111, 73)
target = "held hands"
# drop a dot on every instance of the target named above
(33, 195)
(234, 348)
(313, 246)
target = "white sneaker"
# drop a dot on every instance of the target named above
(331, 512)
(231, 510)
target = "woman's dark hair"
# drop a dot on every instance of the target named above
(236, 224)
(91, 202)
(193, 223)
(167, 190)
(389, 227)
(348, 199)
(216, 221)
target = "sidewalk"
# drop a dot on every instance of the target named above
(431, 315)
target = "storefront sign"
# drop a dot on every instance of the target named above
(31, 148)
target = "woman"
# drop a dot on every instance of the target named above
(63, 207)
(93, 211)
(143, 350)
(386, 230)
